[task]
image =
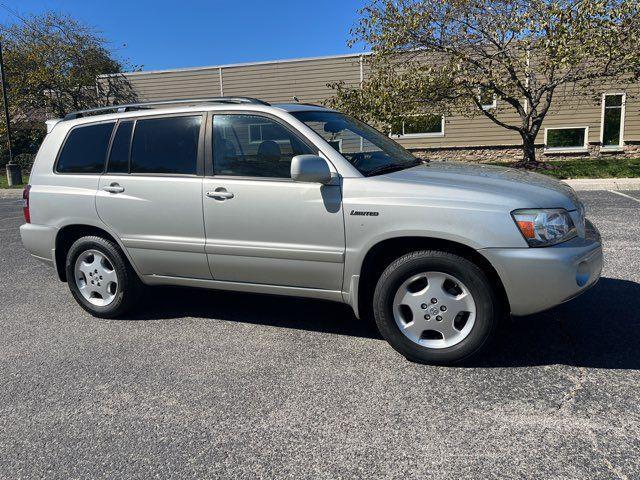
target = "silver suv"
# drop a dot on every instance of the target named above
(237, 194)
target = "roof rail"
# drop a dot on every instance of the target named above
(309, 104)
(140, 106)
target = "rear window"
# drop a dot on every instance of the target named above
(166, 145)
(85, 149)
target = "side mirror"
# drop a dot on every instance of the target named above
(310, 169)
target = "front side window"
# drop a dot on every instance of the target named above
(566, 138)
(85, 149)
(612, 120)
(368, 150)
(254, 146)
(166, 145)
(421, 125)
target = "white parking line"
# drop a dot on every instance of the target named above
(624, 195)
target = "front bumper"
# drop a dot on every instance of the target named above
(536, 279)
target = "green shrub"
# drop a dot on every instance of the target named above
(25, 160)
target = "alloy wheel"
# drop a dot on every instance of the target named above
(434, 309)
(96, 277)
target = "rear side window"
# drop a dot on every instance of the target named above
(119, 156)
(85, 149)
(166, 145)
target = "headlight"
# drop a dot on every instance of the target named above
(544, 227)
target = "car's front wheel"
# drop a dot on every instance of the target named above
(435, 307)
(100, 278)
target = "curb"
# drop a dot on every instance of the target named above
(604, 183)
(10, 192)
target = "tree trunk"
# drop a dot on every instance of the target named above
(528, 152)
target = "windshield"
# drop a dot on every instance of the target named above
(368, 150)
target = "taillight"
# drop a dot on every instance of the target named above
(25, 204)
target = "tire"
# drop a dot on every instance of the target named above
(99, 265)
(413, 325)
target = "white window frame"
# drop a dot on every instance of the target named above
(620, 146)
(420, 135)
(339, 140)
(488, 106)
(584, 148)
(491, 106)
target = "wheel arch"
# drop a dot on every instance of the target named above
(381, 254)
(70, 233)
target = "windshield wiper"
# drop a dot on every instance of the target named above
(394, 167)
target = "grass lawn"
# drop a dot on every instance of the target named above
(591, 168)
(3, 181)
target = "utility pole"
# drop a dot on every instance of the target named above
(5, 103)
(14, 175)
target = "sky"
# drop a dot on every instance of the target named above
(162, 34)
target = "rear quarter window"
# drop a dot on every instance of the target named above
(85, 149)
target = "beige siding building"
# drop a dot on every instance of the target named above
(578, 125)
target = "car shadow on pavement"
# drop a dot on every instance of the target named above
(600, 329)
(272, 310)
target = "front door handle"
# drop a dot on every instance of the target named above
(220, 193)
(113, 188)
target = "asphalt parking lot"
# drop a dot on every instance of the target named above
(200, 383)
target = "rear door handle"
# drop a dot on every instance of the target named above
(220, 193)
(113, 188)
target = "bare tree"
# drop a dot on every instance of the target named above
(113, 89)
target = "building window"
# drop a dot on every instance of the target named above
(487, 99)
(418, 126)
(336, 145)
(612, 120)
(261, 132)
(566, 138)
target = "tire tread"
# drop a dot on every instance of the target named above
(418, 353)
(130, 282)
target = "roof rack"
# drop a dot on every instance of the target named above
(143, 105)
(307, 104)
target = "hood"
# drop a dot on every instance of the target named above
(518, 188)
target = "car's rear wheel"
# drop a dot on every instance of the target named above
(435, 307)
(100, 278)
